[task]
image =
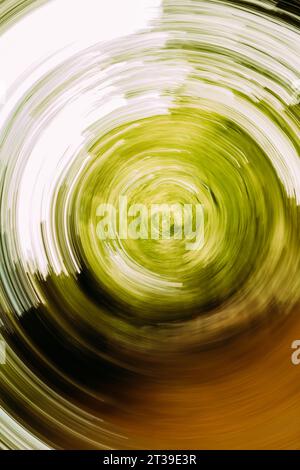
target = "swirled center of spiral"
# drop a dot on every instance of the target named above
(187, 157)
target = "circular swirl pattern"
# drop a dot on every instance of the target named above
(197, 103)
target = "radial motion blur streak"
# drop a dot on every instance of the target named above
(135, 344)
